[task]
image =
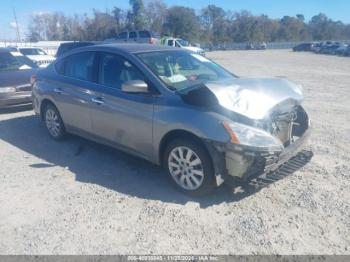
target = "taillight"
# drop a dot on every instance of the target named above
(33, 79)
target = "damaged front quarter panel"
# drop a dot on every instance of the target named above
(265, 106)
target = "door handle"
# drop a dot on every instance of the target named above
(58, 90)
(98, 101)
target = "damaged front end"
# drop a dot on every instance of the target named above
(285, 135)
(267, 125)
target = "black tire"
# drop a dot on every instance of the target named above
(208, 181)
(50, 111)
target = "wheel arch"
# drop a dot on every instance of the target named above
(179, 134)
(43, 104)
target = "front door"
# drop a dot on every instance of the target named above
(125, 119)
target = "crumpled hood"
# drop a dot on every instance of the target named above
(257, 97)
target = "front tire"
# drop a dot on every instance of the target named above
(189, 167)
(53, 122)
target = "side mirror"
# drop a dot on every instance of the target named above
(135, 86)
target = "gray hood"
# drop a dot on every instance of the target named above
(257, 97)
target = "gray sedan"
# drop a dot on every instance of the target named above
(174, 108)
(15, 73)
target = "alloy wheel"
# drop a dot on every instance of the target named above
(52, 122)
(186, 168)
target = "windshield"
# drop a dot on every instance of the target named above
(8, 61)
(182, 42)
(32, 51)
(180, 70)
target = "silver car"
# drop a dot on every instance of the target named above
(174, 108)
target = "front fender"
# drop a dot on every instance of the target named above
(204, 124)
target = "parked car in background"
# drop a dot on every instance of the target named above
(249, 46)
(174, 108)
(37, 55)
(256, 46)
(180, 43)
(316, 47)
(65, 47)
(329, 49)
(261, 46)
(142, 36)
(15, 73)
(341, 49)
(12, 48)
(347, 51)
(303, 47)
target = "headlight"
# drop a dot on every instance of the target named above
(252, 137)
(4, 90)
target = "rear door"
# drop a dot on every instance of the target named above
(125, 119)
(74, 88)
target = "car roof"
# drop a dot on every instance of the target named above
(79, 43)
(133, 48)
(6, 50)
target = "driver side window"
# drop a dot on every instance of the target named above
(114, 70)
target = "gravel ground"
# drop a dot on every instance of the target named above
(77, 197)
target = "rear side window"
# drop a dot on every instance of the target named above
(155, 35)
(115, 70)
(132, 35)
(144, 34)
(123, 35)
(79, 66)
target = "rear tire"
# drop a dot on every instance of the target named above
(189, 167)
(53, 122)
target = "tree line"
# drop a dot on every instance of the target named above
(211, 25)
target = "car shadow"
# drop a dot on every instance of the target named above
(118, 171)
(16, 109)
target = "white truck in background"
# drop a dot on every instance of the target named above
(180, 43)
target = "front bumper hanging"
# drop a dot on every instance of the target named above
(241, 166)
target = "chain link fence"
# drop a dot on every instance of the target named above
(272, 45)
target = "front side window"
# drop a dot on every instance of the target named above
(123, 35)
(116, 70)
(79, 66)
(181, 70)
